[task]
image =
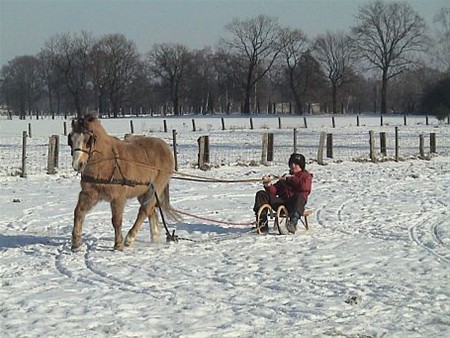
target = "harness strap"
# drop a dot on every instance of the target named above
(118, 181)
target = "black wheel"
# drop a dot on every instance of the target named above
(264, 209)
(281, 220)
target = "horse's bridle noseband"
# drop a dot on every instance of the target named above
(89, 144)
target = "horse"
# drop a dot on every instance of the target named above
(115, 170)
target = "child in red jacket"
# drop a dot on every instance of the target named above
(291, 190)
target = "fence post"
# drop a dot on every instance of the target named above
(175, 151)
(65, 128)
(295, 140)
(193, 125)
(52, 155)
(203, 152)
(426, 119)
(357, 120)
(131, 127)
(251, 123)
(223, 123)
(372, 146)
(330, 145)
(333, 122)
(270, 147)
(305, 123)
(265, 148)
(323, 135)
(396, 144)
(165, 126)
(279, 122)
(29, 130)
(421, 146)
(381, 120)
(383, 143)
(432, 143)
(24, 155)
(404, 119)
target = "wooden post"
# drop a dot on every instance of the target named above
(421, 146)
(29, 130)
(51, 159)
(265, 148)
(175, 151)
(383, 143)
(404, 119)
(24, 155)
(165, 126)
(193, 125)
(330, 145)
(251, 123)
(203, 153)
(65, 128)
(396, 145)
(381, 120)
(279, 122)
(432, 143)
(357, 120)
(426, 119)
(372, 146)
(305, 123)
(269, 147)
(223, 123)
(295, 140)
(333, 122)
(131, 127)
(323, 135)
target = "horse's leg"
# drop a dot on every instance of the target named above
(131, 236)
(154, 227)
(85, 203)
(117, 207)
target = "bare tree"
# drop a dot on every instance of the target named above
(255, 42)
(169, 63)
(21, 84)
(73, 61)
(388, 36)
(334, 53)
(295, 45)
(441, 49)
(114, 65)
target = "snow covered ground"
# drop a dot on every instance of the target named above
(375, 262)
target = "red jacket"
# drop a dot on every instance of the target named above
(300, 182)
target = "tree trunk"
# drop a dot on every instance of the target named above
(384, 83)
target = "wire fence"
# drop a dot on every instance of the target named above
(237, 145)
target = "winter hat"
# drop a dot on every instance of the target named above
(298, 159)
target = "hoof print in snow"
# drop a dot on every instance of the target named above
(353, 300)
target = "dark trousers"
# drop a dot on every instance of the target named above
(294, 204)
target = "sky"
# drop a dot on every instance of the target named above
(25, 25)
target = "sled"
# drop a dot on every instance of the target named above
(281, 218)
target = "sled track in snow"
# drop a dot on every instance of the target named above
(426, 235)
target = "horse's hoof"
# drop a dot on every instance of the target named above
(128, 241)
(76, 248)
(118, 247)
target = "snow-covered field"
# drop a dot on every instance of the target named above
(376, 261)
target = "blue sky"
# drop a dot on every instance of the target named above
(25, 25)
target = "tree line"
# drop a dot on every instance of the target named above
(386, 62)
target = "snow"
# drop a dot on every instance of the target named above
(375, 262)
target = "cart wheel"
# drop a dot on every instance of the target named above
(281, 220)
(264, 209)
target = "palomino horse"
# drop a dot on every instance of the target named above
(113, 170)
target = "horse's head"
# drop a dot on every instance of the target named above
(81, 140)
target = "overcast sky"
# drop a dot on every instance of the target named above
(25, 25)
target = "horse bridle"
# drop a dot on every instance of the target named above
(89, 144)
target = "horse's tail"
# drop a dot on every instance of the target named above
(169, 211)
